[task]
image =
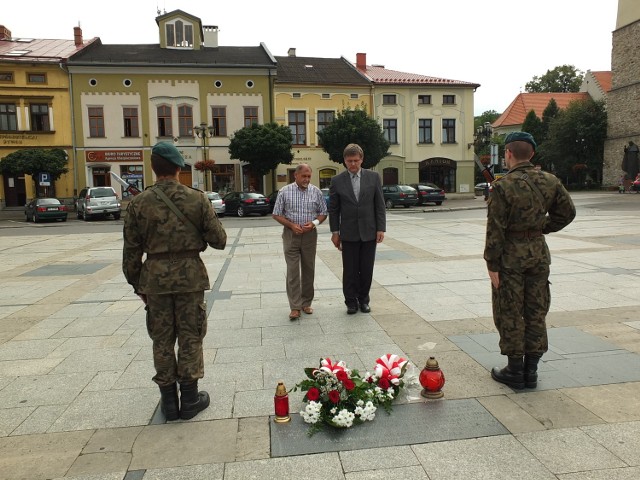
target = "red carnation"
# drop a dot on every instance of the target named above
(342, 375)
(313, 394)
(334, 396)
(348, 384)
(383, 383)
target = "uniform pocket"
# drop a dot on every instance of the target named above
(202, 319)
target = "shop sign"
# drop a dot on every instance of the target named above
(114, 155)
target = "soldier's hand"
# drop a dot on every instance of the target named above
(495, 279)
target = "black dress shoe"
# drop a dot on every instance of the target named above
(351, 309)
(365, 308)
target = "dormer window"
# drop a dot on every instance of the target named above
(179, 34)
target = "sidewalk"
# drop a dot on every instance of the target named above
(77, 400)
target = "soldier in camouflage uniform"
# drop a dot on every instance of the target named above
(172, 279)
(524, 205)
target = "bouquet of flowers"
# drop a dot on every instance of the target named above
(340, 397)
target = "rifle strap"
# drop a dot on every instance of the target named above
(172, 206)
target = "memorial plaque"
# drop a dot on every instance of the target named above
(424, 422)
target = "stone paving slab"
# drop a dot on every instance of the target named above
(422, 422)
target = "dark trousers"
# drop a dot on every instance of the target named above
(357, 271)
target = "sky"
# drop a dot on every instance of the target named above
(499, 44)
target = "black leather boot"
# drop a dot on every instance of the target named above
(192, 401)
(531, 369)
(169, 402)
(512, 375)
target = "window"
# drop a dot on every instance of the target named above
(297, 124)
(390, 129)
(388, 99)
(179, 34)
(185, 121)
(448, 99)
(296, 95)
(425, 131)
(424, 99)
(8, 117)
(219, 115)
(37, 78)
(6, 77)
(130, 116)
(96, 122)
(354, 96)
(448, 130)
(325, 117)
(39, 118)
(326, 95)
(164, 121)
(250, 116)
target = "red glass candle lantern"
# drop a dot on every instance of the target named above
(432, 379)
(281, 403)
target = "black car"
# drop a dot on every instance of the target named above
(429, 193)
(40, 209)
(399, 195)
(244, 203)
(272, 200)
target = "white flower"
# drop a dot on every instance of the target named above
(333, 410)
(360, 403)
(344, 418)
(311, 413)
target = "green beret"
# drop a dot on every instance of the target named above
(521, 137)
(169, 152)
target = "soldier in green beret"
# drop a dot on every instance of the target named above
(524, 205)
(172, 278)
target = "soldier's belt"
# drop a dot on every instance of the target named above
(524, 234)
(173, 255)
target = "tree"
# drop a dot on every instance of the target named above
(264, 147)
(34, 161)
(574, 148)
(549, 113)
(488, 116)
(564, 78)
(533, 125)
(354, 126)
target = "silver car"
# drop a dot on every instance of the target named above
(97, 202)
(217, 202)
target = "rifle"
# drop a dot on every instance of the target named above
(125, 185)
(485, 170)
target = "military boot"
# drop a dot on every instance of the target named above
(169, 402)
(512, 375)
(192, 401)
(531, 369)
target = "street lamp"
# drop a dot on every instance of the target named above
(204, 132)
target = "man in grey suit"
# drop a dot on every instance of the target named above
(357, 219)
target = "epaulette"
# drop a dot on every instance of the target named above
(196, 189)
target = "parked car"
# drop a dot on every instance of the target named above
(40, 209)
(480, 189)
(429, 193)
(272, 200)
(97, 202)
(244, 203)
(399, 195)
(217, 202)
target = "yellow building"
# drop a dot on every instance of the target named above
(309, 92)
(35, 110)
(126, 98)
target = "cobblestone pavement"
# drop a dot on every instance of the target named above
(77, 401)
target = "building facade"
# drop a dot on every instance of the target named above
(623, 101)
(35, 110)
(186, 89)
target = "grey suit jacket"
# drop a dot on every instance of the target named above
(357, 220)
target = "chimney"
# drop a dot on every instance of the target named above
(291, 52)
(210, 36)
(361, 61)
(77, 36)
(5, 33)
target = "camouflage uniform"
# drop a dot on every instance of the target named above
(515, 247)
(173, 277)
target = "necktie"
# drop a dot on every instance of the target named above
(355, 179)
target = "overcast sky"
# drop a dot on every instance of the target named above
(500, 44)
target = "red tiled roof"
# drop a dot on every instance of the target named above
(604, 79)
(41, 49)
(383, 75)
(525, 102)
